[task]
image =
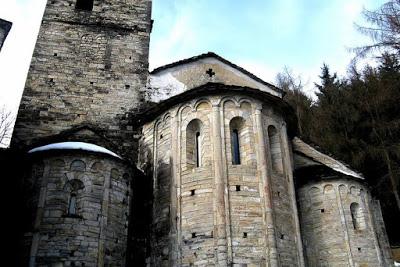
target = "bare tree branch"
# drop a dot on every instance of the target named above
(384, 30)
(6, 122)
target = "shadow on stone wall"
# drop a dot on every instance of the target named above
(16, 215)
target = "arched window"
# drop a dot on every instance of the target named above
(194, 140)
(84, 5)
(275, 149)
(235, 147)
(73, 188)
(72, 204)
(357, 216)
(237, 132)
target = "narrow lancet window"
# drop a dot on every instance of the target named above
(74, 189)
(194, 144)
(84, 5)
(72, 204)
(357, 216)
(275, 149)
(198, 150)
(235, 147)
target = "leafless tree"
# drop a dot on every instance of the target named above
(383, 29)
(6, 122)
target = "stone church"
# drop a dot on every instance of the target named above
(196, 163)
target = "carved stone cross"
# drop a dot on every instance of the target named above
(210, 72)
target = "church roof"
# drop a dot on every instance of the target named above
(306, 155)
(182, 75)
(218, 88)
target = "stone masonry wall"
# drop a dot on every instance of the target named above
(338, 225)
(88, 67)
(219, 213)
(5, 27)
(95, 233)
(282, 190)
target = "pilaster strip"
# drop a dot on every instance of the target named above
(289, 172)
(272, 258)
(219, 194)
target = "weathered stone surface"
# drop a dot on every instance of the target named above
(220, 207)
(5, 27)
(95, 234)
(333, 233)
(218, 158)
(88, 68)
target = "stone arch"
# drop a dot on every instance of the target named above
(166, 117)
(202, 103)
(184, 109)
(97, 166)
(328, 189)
(77, 165)
(342, 189)
(354, 191)
(275, 149)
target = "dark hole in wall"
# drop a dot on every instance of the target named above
(244, 235)
(192, 192)
(322, 210)
(193, 235)
(238, 188)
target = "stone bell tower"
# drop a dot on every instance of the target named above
(89, 69)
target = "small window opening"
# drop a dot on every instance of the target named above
(127, 86)
(55, 54)
(238, 188)
(84, 5)
(91, 83)
(192, 192)
(359, 249)
(72, 204)
(278, 193)
(282, 236)
(198, 152)
(161, 136)
(244, 235)
(235, 147)
(322, 210)
(193, 235)
(357, 216)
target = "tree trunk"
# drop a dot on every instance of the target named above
(392, 179)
